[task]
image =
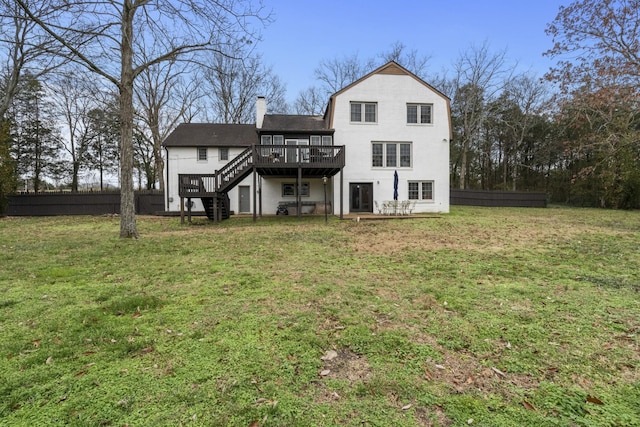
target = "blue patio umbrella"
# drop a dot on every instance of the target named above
(395, 185)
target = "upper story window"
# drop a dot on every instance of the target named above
(420, 113)
(202, 154)
(272, 139)
(327, 140)
(364, 112)
(223, 153)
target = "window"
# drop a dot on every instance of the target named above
(278, 140)
(202, 154)
(223, 153)
(391, 154)
(419, 113)
(376, 156)
(420, 190)
(364, 112)
(289, 189)
(315, 140)
(405, 155)
(265, 139)
(327, 140)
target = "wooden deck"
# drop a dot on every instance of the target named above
(269, 161)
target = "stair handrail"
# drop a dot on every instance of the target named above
(225, 176)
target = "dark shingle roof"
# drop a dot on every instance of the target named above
(212, 135)
(289, 123)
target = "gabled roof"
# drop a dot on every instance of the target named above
(212, 135)
(390, 67)
(293, 123)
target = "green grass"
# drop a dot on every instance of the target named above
(494, 317)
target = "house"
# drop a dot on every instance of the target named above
(388, 123)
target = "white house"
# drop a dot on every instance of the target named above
(386, 123)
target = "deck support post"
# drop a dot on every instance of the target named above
(299, 192)
(341, 192)
(216, 213)
(255, 183)
(260, 196)
(181, 210)
(189, 209)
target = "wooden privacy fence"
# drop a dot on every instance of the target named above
(498, 198)
(82, 203)
(152, 202)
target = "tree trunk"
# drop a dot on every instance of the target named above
(157, 154)
(128, 228)
(74, 176)
(463, 163)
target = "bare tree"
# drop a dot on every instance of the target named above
(74, 96)
(337, 73)
(25, 48)
(163, 96)
(529, 94)
(311, 101)
(234, 80)
(412, 60)
(480, 76)
(140, 34)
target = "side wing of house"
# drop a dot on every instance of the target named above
(391, 121)
(203, 148)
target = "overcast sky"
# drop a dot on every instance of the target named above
(306, 32)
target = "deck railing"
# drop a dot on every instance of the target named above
(325, 155)
(260, 156)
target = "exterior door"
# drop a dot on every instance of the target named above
(244, 192)
(361, 197)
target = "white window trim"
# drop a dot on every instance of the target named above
(420, 183)
(419, 106)
(362, 120)
(306, 189)
(398, 151)
(206, 154)
(220, 150)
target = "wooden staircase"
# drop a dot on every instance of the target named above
(221, 202)
(218, 207)
(268, 160)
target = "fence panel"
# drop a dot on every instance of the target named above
(82, 203)
(498, 198)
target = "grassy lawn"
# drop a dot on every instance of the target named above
(488, 317)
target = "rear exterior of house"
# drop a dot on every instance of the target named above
(387, 122)
(392, 121)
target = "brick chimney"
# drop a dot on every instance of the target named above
(261, 110)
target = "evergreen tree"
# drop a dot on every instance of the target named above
(7, 167)
(36, 140)
(104, 136)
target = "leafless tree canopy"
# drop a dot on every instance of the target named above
(119, 40)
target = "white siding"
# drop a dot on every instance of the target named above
(430, 142)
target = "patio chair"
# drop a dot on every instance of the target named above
(411, 207)
(404, 208)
